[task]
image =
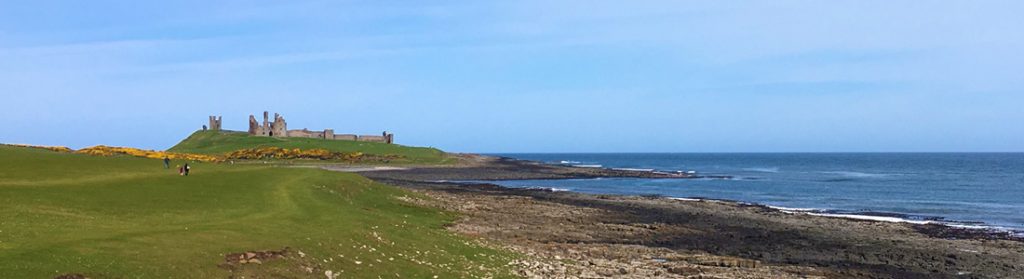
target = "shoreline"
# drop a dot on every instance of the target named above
(730, 238)
(976, 227)
(972, 227)
(979, 230)
(483, 167)
(969, 231)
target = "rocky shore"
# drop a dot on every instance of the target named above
(574, 235)
(475, 167)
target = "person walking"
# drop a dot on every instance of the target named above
(167, 162)
(181, 170)
(187, 169)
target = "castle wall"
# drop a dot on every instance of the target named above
(279, 128)
(305, 134)
(345, 137)
(373, 138)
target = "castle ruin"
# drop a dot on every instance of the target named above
(215, 123)
(279, 128)
(276, 128)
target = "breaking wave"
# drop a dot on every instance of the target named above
(769, 170)
(588, 166)
(551, 189)
(855, 174)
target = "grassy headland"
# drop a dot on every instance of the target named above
(127, 217)
(221, 142)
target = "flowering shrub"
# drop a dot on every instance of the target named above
(242, 154)
(272, 152)
(51, 148)
(101, 150)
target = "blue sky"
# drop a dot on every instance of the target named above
(524, 76)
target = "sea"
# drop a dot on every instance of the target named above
(975, 190)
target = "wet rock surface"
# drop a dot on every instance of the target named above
(494, 168)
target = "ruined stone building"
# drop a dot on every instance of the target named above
(276, 128)
(215, 123)
(279, 128)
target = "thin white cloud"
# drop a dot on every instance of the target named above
(682, 57)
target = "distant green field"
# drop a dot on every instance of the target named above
(126, 217)
(220, 142)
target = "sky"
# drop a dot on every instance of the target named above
(523, 76)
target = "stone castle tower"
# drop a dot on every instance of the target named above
(215, 122)
(276, 128)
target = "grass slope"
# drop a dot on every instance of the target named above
(126, 217)
(220, 142)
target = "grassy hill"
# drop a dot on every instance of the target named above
(127, 217)
(220, 142)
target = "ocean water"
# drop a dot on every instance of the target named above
(965, 189)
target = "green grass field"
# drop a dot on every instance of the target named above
(220, 142)
(126, 217)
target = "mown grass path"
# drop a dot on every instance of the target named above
(123, 217)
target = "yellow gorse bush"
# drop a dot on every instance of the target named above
(271, 152)
(258, 153)
(102, 150)
(51, 148)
